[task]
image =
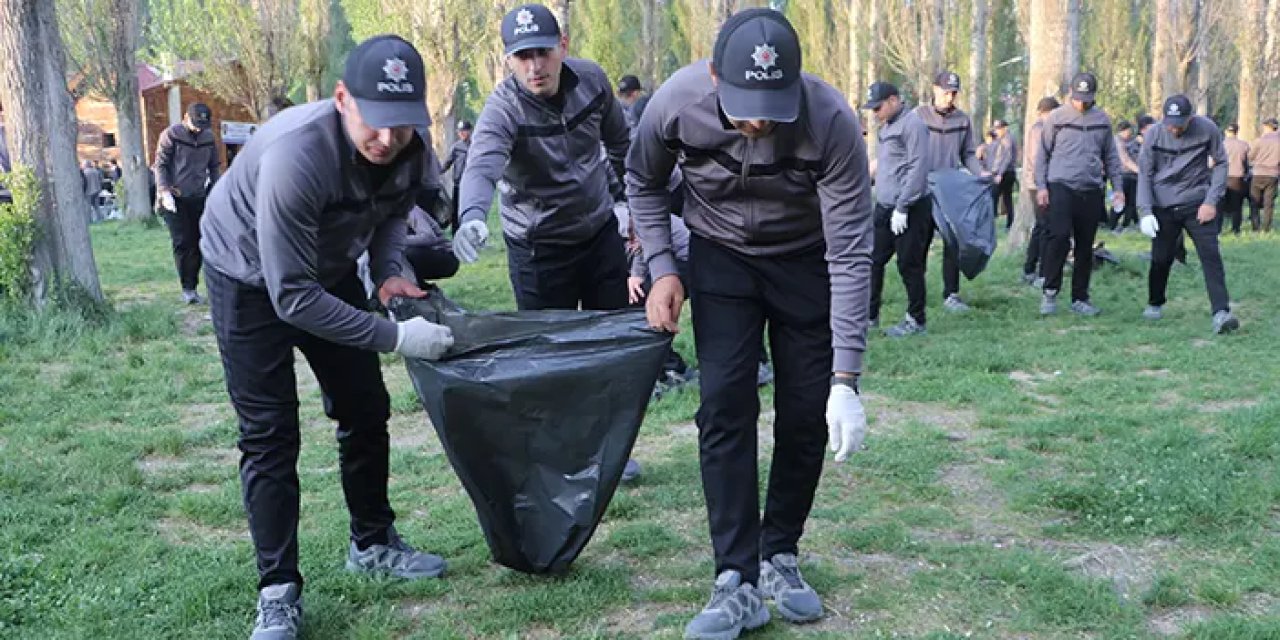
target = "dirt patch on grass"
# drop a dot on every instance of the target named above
(891, 414)
(201, 488)
(413, 431)
(1154, 373)
(1029, 382)
(54, 373)
(181, 531)
(156, 465)
(1130, 570)
(198, 416)
(1223, 406)
(1172, 622)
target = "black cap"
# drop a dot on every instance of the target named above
(879, 92)
(757, 58)
(530, 26)
(201, 115)
(1084, 87)
(1144, 122)
(628, 83)
(464, 125)
(1124, 125)
(1271, 122)
(1047, 104)
(947, 80)
(999, 124)
(386, 77)
(1177, 110)
(1233, 128)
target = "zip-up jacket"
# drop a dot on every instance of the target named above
(1004, 155)
(1128, 152)
(296, 209)
(555, 186)
(1029, 154)
(186, 161)
(1237, 157)
(457, 159)
(804, 186)
(1077, 150)
(951, 141)
(1264, 155)
(1174, 170)
(679, 246)
(902, 174)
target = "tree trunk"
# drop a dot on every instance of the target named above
(1162, 56)
(649, 42)
(1049, 75)
(872, 69)
(857, 83)
(136, 204)
(1251, 74)
(978, 81)
(1271, 56)
(562, 10)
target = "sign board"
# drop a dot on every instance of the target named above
(237, 132)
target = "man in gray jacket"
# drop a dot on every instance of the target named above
(1077, 153)
(1003, 169)
(186, 166)
(316, 186)
(456, 161)
(903, 223)
(1178, 191)
(779, 206)
(1040, 229)
(1264, 160)
(540, 134)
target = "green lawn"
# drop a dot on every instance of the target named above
(1025, 478)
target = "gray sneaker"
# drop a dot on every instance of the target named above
(190, 296)
(954, 304)
(279, 612)
(1028, 278)
(1153, 312)
(1049, 302)
(780, 581)
(630, 471)
(1225, 322)
(396, 558)
(1085, 308)
(734, 607)
(908, 327)
(1038, 283)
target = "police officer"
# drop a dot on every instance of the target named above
(951, 146)
(1003, 168)
(633, 98)
(1077, 152)
(1035, 245)
(457, 161)
(903, 223)
(780, 211)
(1237, 179)
(315, 186)
(1264, 160)
(1127, 147)
(1178, 191)
(186, 166)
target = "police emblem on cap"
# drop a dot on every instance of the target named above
(397, 71)
(524, 23)
(1083, 86)
(1174, 110)
(953, 79)
(765, 56)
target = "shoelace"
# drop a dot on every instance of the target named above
(790, 575)
(274, 613)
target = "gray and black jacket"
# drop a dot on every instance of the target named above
(1077, 150)
(457, 160)
(554, 183)
(902, 171)
(1004, 155)
(803, 187)
(298, 207)
(1174, 170)
(951, 141)
(186, 161)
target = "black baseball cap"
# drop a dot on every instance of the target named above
(1271, 122)
(999, 124)
(200, 113)
(385, 75)
(1144, 122)
(1047, 104)
(529, 26)
(1084, 87)
(464, 125)
(947, 80)
(1177, 110)
(879, 92)
(757, 58)
(1233, 128)
(628, 83)
(1124, 125)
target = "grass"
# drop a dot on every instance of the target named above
(1025, 478)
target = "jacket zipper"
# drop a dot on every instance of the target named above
(748, 213)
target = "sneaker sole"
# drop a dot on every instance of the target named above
(761, 619)
(1229, 326)
(793, 617)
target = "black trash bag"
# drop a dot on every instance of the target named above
(537, 412)
(965, 215)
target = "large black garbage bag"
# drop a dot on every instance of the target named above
(537, 412)
(965, 215)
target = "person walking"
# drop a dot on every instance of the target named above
(1264, 161)
(186, 167)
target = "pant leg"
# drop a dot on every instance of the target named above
(950, 261)
(1057, 237)
(913, 256)
(1090, 207)
(881, 252)
(257, 358)
(355, 397)
(1232, 205)
(542, 277)
(1007, 184)
(1205, 238)
(1129, 184)
(1035, 241)
(432, 262)
(1163, 251)
(187, 247)
(728, 326)
(797, 295)
(1268, 203)
(1255, 204)
(602, 272)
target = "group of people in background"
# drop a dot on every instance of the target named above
(99, 180)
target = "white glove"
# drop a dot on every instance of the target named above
(469, 240)
(846, 421)
(1149, 225)
(167, 203)
(898, 223)
(623, 214)
(418, 338)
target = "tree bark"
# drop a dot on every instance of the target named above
(1250, 88)
(136, 204)
(857, 82)
(1271, 57)
(978, 81)
(1162, 55)
(872, 69)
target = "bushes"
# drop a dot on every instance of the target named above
(18, 228)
